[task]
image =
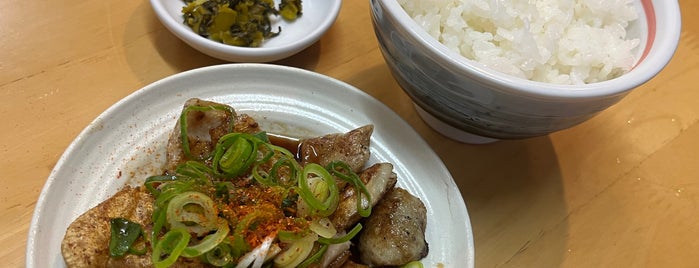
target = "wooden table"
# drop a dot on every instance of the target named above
(621, 190)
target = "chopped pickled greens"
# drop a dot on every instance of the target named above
(245, 23)
(290, 9)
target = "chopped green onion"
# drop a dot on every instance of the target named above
(192, 211)
(314, 258)
(159, 220)
(323, 227)
(296, 253)
(219, 255)
(163, 194)
(262, 136)
(290, 236)
(250, 219)
(317, 188)
(238, 245)
(234, 154)
(265, 151)
(153, 182)
(338, 240)
(124, 234)
(209, 242)
(171, 245)
(273, 178)
(223, 190)
(344, 172)
(281, 150)
(195, 170)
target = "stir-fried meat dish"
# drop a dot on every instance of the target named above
(230, 197)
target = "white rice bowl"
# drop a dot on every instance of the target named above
(553, 41)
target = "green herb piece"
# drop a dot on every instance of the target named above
(124, 234)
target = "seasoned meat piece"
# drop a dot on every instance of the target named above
(246, 124)
(86, 242)
(351, 147)
(204, 128)
(336, 255)
(394, 234)
(379, 179)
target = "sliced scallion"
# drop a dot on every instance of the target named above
(314, 258)
(170, 247)
(317, 188)
(296, 253)
(209, 242)
(234, 154)
(342, 239)
(192, 211)
(342, 170)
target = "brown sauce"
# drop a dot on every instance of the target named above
(290, 143)
(302, 152)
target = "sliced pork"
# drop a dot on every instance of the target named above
(204, 128)
(351, 147)
(394, 234)
(379, 179)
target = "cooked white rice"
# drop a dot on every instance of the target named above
(556, 41)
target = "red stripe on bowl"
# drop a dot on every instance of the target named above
(650, 19)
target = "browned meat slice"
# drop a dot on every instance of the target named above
(394, 234)
(246, 124)
(351, 147)
(204, 128)
(336, 255)
(379, 179)
(86, 242)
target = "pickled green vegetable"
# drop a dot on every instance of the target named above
(290, 9)
(244, 23)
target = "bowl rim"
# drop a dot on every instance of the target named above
(660, 47)
(245, 54)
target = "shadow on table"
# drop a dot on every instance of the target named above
(515, 197)
(513, 189)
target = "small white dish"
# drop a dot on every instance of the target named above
(126, 144)
(318, 16)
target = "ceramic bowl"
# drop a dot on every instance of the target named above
(469, 102)
(318, 16)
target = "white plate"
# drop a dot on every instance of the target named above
(116, 148)
(318, 16)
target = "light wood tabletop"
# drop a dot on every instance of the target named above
(620, 190)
